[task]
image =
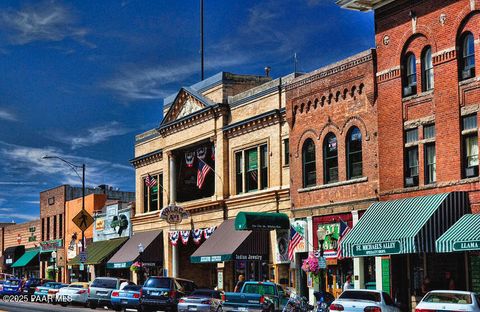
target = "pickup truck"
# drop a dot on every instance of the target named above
(256, 296)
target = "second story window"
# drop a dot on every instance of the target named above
(251, 172)
(330, 158)
(308, 164)
(354, 153)
(411, 157)
(467, 56)
(470, 146)
(410, 78)
(430, 154)
(153, 193)
(286, 152)
(427, 69)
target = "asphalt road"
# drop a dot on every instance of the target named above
(29, 306)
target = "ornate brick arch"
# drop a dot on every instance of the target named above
(462, 19)
(357, 122)
(330, 127)
(307, 134)
(408, 38)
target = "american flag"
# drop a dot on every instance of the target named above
(295, 239)
(150, 181)
(203, 170)
(343, 230)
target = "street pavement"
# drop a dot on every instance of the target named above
(29, 306)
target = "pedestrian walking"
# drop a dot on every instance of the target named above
(241, 281)
(449, 282)
(348, 283)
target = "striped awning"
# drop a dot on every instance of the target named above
(464, 235)
(409, 225)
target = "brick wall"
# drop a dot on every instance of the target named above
(333, 100)
(405, 27)
(14, 233)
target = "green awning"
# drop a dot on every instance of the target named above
(101, 251)
(464, 235)
(24, 260)
(261, 221)
(409, 225)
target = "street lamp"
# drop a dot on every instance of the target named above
(82, 178)
(140, 253)
(54, 257)
(321, 234)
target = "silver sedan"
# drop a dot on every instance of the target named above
(201, 300)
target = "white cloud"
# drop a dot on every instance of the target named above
(8, 116)
(44, 21)
(27, 162)
(94, 135)
(18, 183)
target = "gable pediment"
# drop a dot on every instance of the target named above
(186, 103)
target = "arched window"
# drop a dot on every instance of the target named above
(308, 164)
(427, 69)
(330, 158)
(354, 153)
(410, 69)
(467, 61)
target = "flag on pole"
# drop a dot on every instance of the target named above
(150, 181)
(343, 230)
(295, 239)
(203, 170)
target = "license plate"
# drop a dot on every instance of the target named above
(124, 301)
(155, 293)
(242, 309)
(192, 308)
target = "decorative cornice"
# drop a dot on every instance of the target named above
(389, 74)
(333, 69)
(147, 159)
(193, 119)
(254, 123)
(444, 56)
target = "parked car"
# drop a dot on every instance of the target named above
(163, 293)
(201, 300)
(364, 300)
(12, 286)
(100, 291)
(75, 293)
(256, 296)
(42, 293)
(126, 298)
(30, 285)
(449, 300)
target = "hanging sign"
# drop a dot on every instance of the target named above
(173, 214)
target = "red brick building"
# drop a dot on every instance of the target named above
(332, 113)
(428, 66)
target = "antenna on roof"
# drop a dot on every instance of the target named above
(295, 61)
(201, 40)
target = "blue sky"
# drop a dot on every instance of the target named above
(80, 78)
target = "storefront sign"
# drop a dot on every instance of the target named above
(249, 257)
(461, 246)
(9, 261)
(282, 246)
(100, 224)
(173, 214)
(331, 239)
(376, 249)
(219, 279)
(51, 245)
(113, 223)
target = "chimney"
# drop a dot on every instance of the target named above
(267, 71)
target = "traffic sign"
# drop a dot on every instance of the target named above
(322, 263)
(83, 220)
(83, 256)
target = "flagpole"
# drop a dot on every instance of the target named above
(211, 169)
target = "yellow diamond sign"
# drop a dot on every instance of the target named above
(83, 220)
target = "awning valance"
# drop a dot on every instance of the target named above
(464, 235)
(99, 252)
(261, 221)
(152, 242)
(227, 244)
(408, 225)
(26, 258)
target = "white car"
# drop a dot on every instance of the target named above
(73, 293)
(449, 300)
(362, 300)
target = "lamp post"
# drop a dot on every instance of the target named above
(82, 178)
(321, 234)
(54, 257)
(140, 253)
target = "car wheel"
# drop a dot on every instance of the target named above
(92, 305)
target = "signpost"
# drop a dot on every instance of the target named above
(83, 220)
(83, 257)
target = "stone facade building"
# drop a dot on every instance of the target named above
(236, 124)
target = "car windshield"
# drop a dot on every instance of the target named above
(361, 295)
(158, 283)
(76, 286)
(448, 298)
(132, 287)
(206, 293)
(260, 289)
(105, 283)
(50, 285)
(12, 282)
